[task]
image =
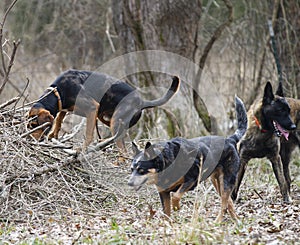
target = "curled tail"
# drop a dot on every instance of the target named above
(158, 102)
(241, 116)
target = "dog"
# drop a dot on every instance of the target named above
(288, 146)
(179, 164)
(269, 119)
(92, 95)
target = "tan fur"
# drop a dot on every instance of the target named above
(43, 116)
(217, 179)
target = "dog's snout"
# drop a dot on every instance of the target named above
(130, 182)
(293, 127)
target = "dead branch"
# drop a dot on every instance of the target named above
(22, 94)
(174, 122)
(258, 81)
(7, 69)
(43, 170)
(9, 102)
(77, 128)
(53, 146)
(198, 102)
(35, 129)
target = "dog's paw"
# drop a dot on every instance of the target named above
(287, 199)
(52, 135)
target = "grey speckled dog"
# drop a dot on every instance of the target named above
(179, 164)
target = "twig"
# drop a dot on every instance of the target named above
(54, 146)
(11, 62)
(107, 31)
(33, 130)
(108, 141)
(198, 102)
(76, 130)
(41, 171)
(27, 104)
(174, 122)
(21, 94)
(9, 102)
(1, 36)
(258, 194)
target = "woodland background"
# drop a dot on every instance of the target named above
(46, 199)
(228, 39)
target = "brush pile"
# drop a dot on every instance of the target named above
(40, 180)
(48, 196)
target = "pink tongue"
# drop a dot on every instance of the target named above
(284, 132)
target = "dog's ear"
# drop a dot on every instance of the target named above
(268, 94)
(148, 145)
(45, 116)
(135, 148)
(279, 91)
(149, 151)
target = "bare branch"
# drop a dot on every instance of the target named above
(1, 36)
(198, 102)
(35, 129)
(9, 102)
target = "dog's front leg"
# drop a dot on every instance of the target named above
(176, 197)
(285, 154)
(278, 171)
(165, 202)
(57, 125)
(244, 161)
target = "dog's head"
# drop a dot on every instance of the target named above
(276, 112)
(145, 166)
(37, 116)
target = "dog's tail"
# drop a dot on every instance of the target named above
(241, 116)
(158, 102)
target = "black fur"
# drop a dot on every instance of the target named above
(174, 165)
(96, 95)
(262, 139)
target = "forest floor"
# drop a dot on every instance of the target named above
(49, 197)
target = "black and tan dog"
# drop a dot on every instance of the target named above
(179, 164)
(92, 95)
(269, 119)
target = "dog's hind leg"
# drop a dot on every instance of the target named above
(91, 118)
(218, 181)
(57, 125)
(231, 209)
(165, 198)
(121, 144)
(220, 189)
(277, 168)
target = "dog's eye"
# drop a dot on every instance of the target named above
(33, 122)
(141, 171)
(33, 125)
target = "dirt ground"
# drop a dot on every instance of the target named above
(49, 197)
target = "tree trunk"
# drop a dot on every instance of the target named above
(287, 29)
(157, 25)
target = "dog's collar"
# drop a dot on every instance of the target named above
(259, 125)
(56, 93)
